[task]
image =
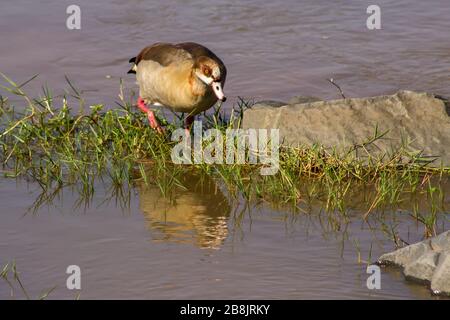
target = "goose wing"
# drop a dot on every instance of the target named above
(167, 53)
(163, 53)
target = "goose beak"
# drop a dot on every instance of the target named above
(217, 87)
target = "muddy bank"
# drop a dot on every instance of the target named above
(416, 122)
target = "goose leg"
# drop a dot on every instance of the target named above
(150, 115)
(188, 123)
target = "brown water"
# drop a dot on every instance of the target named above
(273, 50)
(198, 245)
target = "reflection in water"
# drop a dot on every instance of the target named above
(196, 214)
(307, 249)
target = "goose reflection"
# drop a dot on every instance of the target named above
(196, 214)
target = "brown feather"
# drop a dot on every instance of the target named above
(163, 53)
(165, 75)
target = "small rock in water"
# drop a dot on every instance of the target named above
(427, 261)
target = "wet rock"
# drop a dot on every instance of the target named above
(417, 122)
(427, 261)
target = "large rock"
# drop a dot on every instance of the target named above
(427, 261)
(420, 122)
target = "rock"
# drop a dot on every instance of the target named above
(269, 104)
(303, 99)
(419, 122)
(440, 282)
(423, 268)
(406, 255)
(427, 261)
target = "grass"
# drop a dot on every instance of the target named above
(48, 142)
(11, 277)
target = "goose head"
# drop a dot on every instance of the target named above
(208, 71)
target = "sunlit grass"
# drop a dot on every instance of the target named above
(56, 146)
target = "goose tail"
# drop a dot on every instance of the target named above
(133, 69)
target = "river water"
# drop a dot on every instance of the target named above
(198, 244)
(273, 49)
(198, 247)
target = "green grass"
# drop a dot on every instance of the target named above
(56, 146)
(11, 277)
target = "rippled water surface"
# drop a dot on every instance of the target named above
(200, 244)
(273, 49)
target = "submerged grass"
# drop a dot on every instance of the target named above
(11, 277)
(49, 143)
(17, 290)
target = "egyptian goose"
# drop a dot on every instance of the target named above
(185, 77)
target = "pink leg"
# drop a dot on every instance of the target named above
(150, 115)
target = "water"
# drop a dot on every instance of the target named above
(198, 245)
(273, 50)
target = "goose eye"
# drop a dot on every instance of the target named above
(207, 72)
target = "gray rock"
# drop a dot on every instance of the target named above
(427, 261)
(423, 268)
(418, 122)
(406, 255)
(303, 99)
(440, 242)
(269, 104)
(440, 282)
